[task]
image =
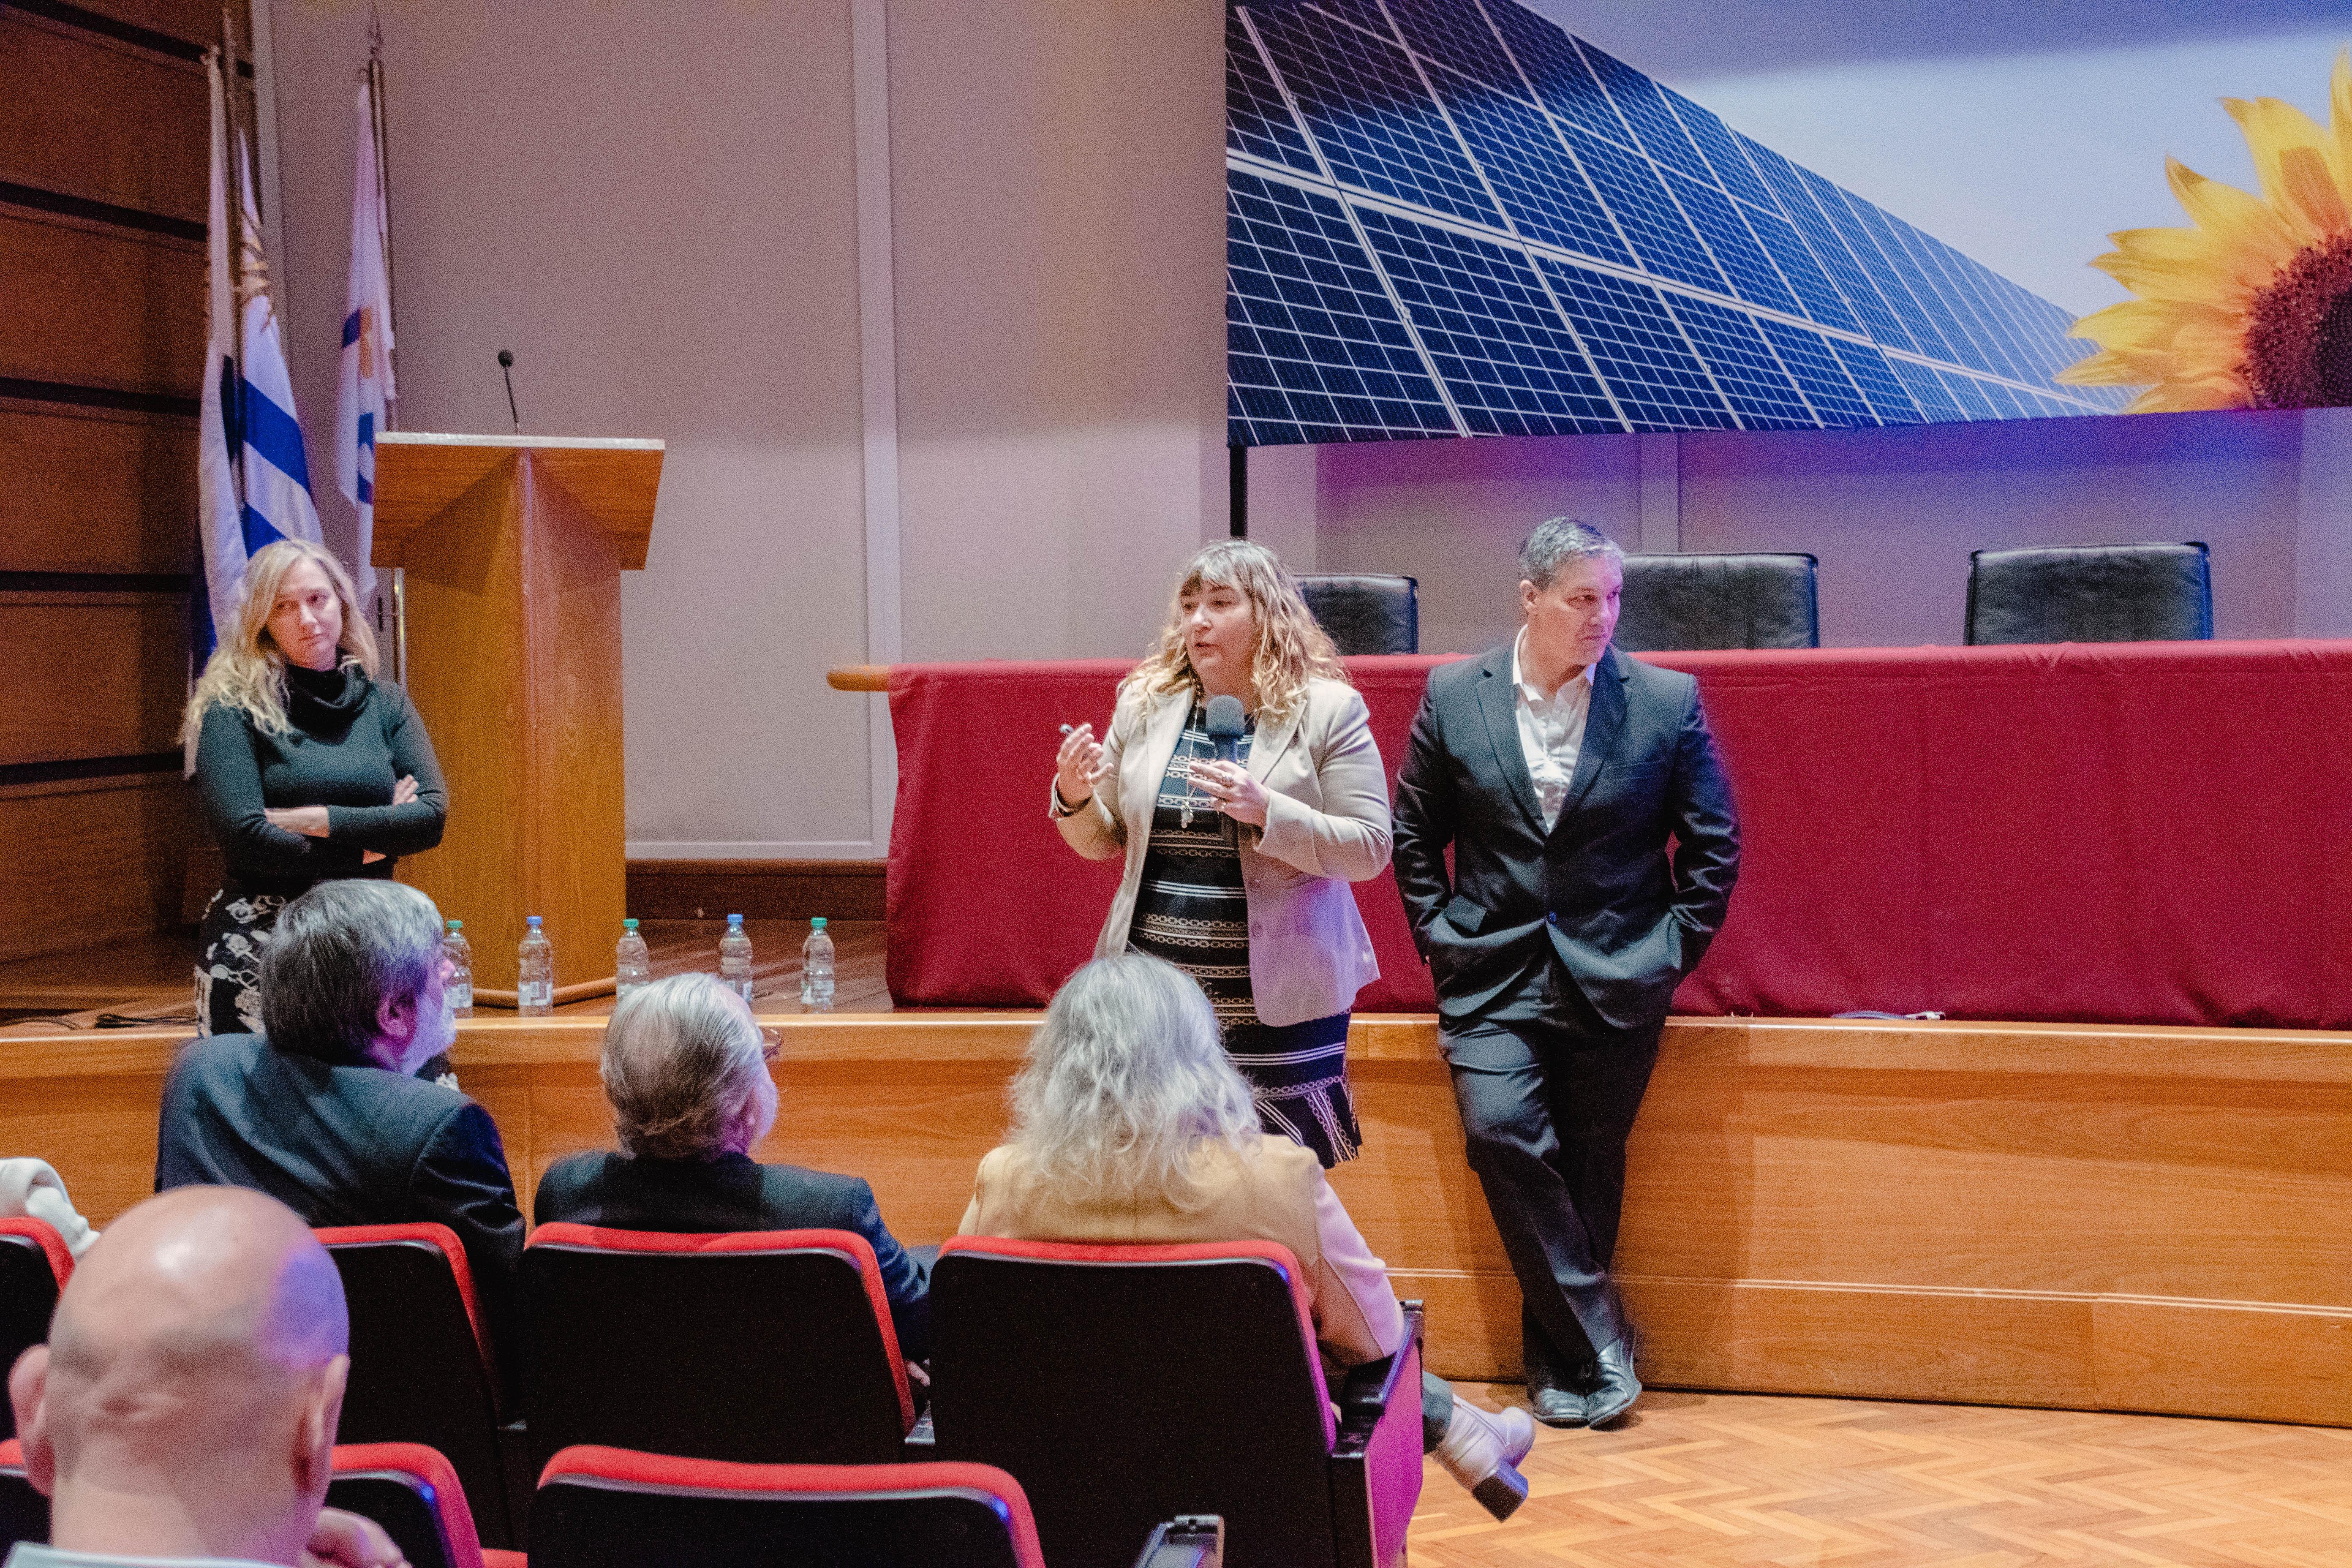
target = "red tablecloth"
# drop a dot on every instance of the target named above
(2129, 833)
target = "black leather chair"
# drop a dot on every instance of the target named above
(1676, 604)
(1124, 1385)
(611, 1508)
(1365, 611)
(421, 1364)
(761, 1347)
(2092, 592)
(34, 1269)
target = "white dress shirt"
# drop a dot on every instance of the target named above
(1551, 730)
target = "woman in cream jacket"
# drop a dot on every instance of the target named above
(1237, 872)
(1131, 1126)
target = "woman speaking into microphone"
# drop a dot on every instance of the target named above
(307, 767)
(1241, 783)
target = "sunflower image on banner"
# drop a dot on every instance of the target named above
(2250, 307)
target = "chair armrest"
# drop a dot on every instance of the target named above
(1364, 1397)
(1188, 1540)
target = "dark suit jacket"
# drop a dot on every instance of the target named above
(735, 1192)
(1598, 892)
(346, 1145)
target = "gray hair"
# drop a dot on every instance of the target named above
(1125, 1079)
(683, 1061)
(339, 953)
(1559, 539)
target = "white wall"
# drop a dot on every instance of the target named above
(654, 204)
(1893, 514)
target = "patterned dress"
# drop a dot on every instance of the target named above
(1193, 910)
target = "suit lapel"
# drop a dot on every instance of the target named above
(1272, 739)
(1140, 784)
(1602, 721)
(1498, 704)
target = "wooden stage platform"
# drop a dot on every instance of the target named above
(2091, 1218)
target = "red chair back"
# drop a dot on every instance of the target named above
(609, 1508)
(34, 1269)
(1124, 1385)
(422, 1371)
(24, 1512)
(411, 1491)
(762, 1347)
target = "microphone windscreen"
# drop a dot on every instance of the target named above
(505, 358)
(1224, 718)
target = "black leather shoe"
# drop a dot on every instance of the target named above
(1618, 1388)
(1555, 1400)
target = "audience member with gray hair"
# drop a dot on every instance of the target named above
(1130, 1123)
(1557, 772)
(183, 1409)
(322, 1111)
(685, 1070)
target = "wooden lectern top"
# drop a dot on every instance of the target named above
(418, 474)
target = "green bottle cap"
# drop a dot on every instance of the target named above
(818, 922)
(628, 925)
(456, 925)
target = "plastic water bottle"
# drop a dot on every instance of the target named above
(460, 954)
(535, 973)
(735, 959)
(816, 969)
(631, 966)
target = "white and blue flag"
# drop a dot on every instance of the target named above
(365, 392)
(247, 422)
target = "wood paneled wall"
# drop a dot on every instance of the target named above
(2046, 1214)
(102, 160)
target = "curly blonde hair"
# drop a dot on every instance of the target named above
(1292, 649)
(247, 670)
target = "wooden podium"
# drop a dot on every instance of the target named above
(513, 548)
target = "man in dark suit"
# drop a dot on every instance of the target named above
(1557, 770)
(323, 1110)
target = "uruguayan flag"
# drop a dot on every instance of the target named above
(366, 388)
(276, 473)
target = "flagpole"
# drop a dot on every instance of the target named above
(233, 181)
(379, 131)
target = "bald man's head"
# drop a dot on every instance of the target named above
(189, 1391)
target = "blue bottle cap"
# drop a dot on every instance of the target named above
(532, 920)
(734, 920)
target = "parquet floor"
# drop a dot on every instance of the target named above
(1718, 1479)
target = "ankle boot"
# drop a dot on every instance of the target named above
(1481, 1452)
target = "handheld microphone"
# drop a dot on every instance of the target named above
(1225, 734)
(506, 368)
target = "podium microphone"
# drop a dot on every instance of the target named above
(1225, 735)
(506, 368)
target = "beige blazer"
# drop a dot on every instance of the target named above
(1327, 824)
(1275, 1193)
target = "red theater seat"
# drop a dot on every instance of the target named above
(422, 1368)
(1124, 1385)
(24, 1512)
(34, 1269)
(609, 1508)
(763, 1347)
(411, 1491)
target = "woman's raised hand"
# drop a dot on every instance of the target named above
(1237, 795)
(1076, 767)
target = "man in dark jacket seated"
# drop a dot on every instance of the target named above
(323, 1110)
(686, 1069)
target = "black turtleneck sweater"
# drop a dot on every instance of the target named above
(352, 741)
